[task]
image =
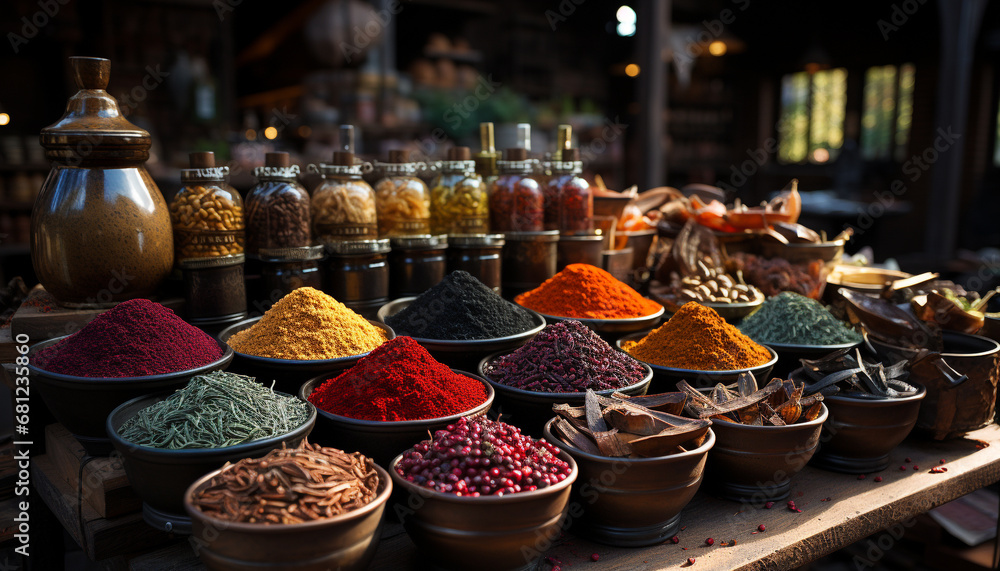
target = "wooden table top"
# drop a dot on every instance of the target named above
(837, 510)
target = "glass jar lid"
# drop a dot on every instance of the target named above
(358, 247)
(304, 253)
(475, 240)
(93, 128)
(205, 263)
(566, 167)
(203, 168)
(419, 242)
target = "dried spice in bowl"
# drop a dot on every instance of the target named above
(481, 457)
(565, 357)
(587, 292)
(307, 324)
(779, 403)
(460, 307)
(794, 319)
(290, 485)
(847, 373)
(136, 338)
(215, 411)
(396, 382)
(697, 338)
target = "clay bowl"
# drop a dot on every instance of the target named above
(382, 441)
(789, 355)
(530, 410)
(665, 378)
(465, 354)
(160, 476)
(610, 329)
(757, 463)
(288, 374)
(860, 433)
(634, 502)
(82, 404)
(489, 532)
(344, 542)
(731, 312)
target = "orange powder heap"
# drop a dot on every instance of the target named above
(696, 337)
(584, 291)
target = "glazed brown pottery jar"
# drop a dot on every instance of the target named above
(100, 230)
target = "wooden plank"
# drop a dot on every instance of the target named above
(41, 318)
(8, 511)
(100, 538)
(177, 557)
(8, 349)
(105, 486)
(856, 509)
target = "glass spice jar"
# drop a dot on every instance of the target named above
(343, 206)
(459, 202)
(284, 270)
(357, 274)
(206, 213)
(569, 200)
(478, 254)
(517, 202)
(402, 199)
(416, 264)
(277, 207)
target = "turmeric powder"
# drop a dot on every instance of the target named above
(697, 338)
(307, 324)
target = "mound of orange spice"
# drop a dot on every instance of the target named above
(587, 292)
(697, 338)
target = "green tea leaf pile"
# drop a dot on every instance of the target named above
(215, 411)
(792, 319)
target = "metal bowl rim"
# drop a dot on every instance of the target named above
(228, 332)
(415, 424)
(636, 336)
(824, 414)
(799, 347)
(595, 323)
(703, 449)
(383, 313)
(878, 403)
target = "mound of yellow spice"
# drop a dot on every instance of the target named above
(308, 324)
(698, 338)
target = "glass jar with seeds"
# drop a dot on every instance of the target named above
(206, 213)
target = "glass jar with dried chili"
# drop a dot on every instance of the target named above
(459, 202)
(402, 198)
(517, 203)
(569, 202)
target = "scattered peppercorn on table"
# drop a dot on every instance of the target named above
(835, 510)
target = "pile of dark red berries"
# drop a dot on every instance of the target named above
(480, 457)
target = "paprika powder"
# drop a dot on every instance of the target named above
(136, 338)
(698, 338)
(587, 292)
(398, 381)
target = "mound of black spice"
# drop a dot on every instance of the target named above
(460, 308)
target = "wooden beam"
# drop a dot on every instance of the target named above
(653, 28)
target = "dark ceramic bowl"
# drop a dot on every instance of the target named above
(634, 502)
(860, 433)
(610, 329)
(82, 404)
(757, 463)
(288, 374)
(465, 354)
(789, 355)
(346, 542)
(530, 410)
(665, 378)
(489, 532)
(160, 476)
(382, 441)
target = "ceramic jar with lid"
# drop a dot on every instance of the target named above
(277, 207)
(459, 201)
(517, 203)
(416, 264)
(206, 213)
(402, 198)
(357, 274)
(100, 229)
(478, 254)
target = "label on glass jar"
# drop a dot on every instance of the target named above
(404, 227)
(206, 243)
(346, 231)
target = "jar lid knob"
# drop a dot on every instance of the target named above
(277, 159)
(459, 154)
(91, 72)
(202, 159)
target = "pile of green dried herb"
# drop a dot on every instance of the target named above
(792, 319)
(215, 411)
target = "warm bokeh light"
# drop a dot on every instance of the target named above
(304, 131)
(717, 48)
(821, 155)
(271, 133)
(250, 134)
(4, 118)
(631, 70)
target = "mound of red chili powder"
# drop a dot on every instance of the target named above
(397, 381)
(135, 338)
